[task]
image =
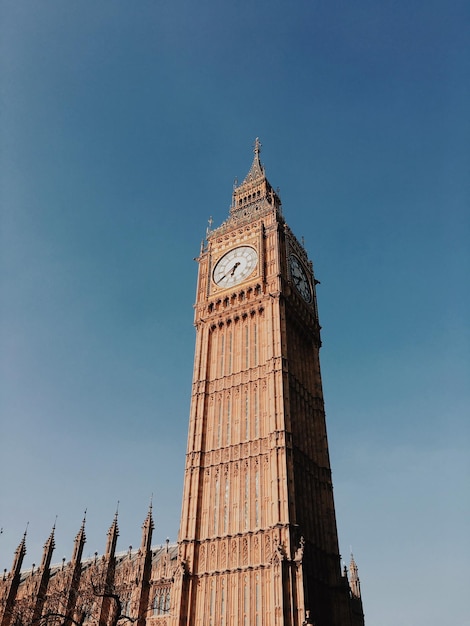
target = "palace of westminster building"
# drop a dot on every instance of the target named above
(257, 543)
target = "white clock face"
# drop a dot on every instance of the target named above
(300, 279)
(235, 266)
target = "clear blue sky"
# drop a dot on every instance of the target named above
(123, 125)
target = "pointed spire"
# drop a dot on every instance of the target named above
(20, 553)
(354, 578)
(48, 548)
(11, 589)
(113, 534)
(147, 529)
(79, 543)
(254, 196)
(256, 170)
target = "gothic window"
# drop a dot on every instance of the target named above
(247, 478)
(161, 601)
(247, 346)
(229, 410)
(257, 601)
(219, 425)
(255, 344)
(212, 605)
(245, 601)
(247, 434)
(256, 411)
(156, 604)
(222, 349)
(222, 604)
(257, 497)
(230, 346)
(216, 503)
(226, 498)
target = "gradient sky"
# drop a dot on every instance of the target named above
(123, 126)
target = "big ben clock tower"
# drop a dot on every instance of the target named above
(258, 542)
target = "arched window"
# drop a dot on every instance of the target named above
(156, 604)
(161, 602)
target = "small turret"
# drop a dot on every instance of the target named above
(79, 543)
(357, 611)
(20, 553)
(113, 534)
(48, 550)
(147, 529)
(109, 571)
(44, 576)
(76, 565)
(140, 596)
(354, 582)
(13, 582)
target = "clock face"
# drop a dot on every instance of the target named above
(300, 279)
(235, 266)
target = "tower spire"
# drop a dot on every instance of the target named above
(20, 553)
(13, 582)
(140, 595)
(79, 543)
(256, 170)
(354, 578)
(44, 577)
(255, 196)
(113, 534)
(109, 568)
(147, 529)
(48, 548)
(76, 565)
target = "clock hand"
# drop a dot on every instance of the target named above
(234, 268)
(232, 272)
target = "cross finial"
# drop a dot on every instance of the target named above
(257, 149)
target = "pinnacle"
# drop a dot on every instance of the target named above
(256, 170)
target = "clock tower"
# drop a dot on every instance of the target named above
(258, 543)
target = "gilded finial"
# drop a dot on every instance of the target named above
(257, 148)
